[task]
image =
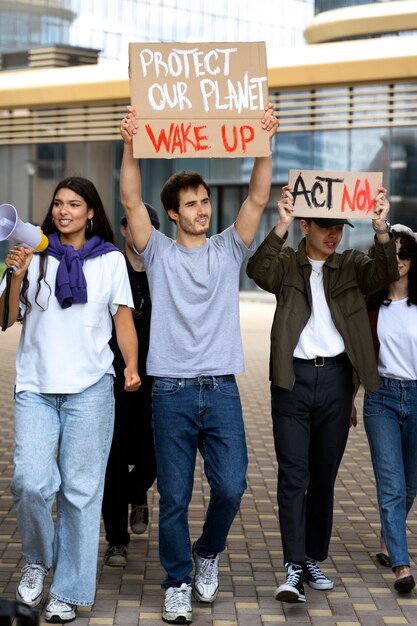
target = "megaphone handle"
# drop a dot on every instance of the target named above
(5, 320)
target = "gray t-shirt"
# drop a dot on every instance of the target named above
(195, 326)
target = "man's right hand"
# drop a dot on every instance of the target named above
(128, 125)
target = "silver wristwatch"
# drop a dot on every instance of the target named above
(382, 231)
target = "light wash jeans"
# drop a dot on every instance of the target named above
(191, 414)
(62, 445)
(390, 418)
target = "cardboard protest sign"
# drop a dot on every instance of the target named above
(334, 194)
(199, 99)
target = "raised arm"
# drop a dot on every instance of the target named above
(131, 185)
(250, 212)
(267, 266)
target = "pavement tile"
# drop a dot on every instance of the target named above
(251, 566)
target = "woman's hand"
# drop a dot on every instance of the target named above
(132, 379)
(19, 259)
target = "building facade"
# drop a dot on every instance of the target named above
(64, 88)
(342, 104)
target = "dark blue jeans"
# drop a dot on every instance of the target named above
(202, 414)
(390, 417)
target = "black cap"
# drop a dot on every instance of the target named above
(153, 214)
(328, 223)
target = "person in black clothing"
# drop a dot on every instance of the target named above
(133, 438)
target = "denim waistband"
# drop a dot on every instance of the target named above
(199, 380)
(396, 382)
(321, 361)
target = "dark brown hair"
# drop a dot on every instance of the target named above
(170, 194)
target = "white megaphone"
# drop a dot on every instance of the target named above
(11, 227)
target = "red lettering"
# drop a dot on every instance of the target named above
(176, 142)
(246, 134)
(361, 199)
(364, 201)
(178, 138)
(246, 138)
(162, 138)
(199, 138)
(226, 144)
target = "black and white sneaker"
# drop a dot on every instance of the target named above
(292, 590)
(139, 518)
(115, 556)
(314, 577)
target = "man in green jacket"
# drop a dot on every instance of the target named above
(321, 349)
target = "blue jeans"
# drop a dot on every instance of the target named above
(202, 414)
(62, 445)
(390, 416)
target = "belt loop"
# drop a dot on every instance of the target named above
(319, 361)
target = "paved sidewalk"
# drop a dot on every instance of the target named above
(251, 567)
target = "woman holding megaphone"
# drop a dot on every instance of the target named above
(64, 407)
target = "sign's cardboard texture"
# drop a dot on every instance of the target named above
(199, 99)
(326, 194)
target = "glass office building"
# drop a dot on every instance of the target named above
(328, 5)
(107, 25)
(360, 116)
(84, 139)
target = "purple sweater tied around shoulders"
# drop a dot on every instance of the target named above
(70, 284)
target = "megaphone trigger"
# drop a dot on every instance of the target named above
(11, 227)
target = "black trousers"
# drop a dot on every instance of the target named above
(132, 444)
(311, 426)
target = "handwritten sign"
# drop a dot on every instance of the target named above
(199, 99)
(334, 194)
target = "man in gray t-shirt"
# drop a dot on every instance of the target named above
(195, 351)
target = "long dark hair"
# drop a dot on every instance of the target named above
(99, 225)
(409, 246)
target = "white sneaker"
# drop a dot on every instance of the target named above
(177, 606)
(206, 578)
(58, 611)
(30, 587)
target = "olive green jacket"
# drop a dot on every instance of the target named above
(347, 277)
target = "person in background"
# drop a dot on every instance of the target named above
(390, 412)
(321, 346)
(132, 438)
(194, 353)
(64, 404)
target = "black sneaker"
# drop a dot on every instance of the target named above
(292, 590)
(139, 518)
(314, 577)
(116, 556)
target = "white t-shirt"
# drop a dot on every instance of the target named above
(195, 325)
(66, 350)
(397, 333)
(319, 336)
